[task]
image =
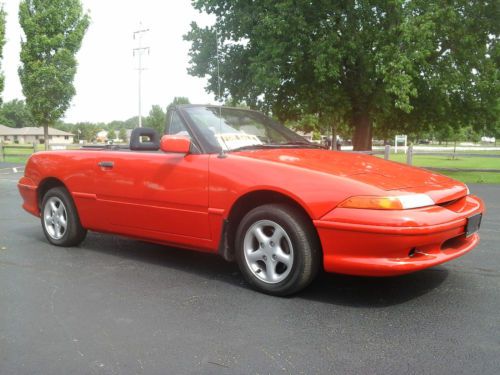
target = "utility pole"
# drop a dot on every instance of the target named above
(139, 51)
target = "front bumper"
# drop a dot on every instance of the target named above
(386, 243)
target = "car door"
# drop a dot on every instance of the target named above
(154, 195)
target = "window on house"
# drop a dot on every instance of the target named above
(66, 137)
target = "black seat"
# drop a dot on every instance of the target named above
(152, 144)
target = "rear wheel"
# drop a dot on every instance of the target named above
(60, 222)
(277, 249)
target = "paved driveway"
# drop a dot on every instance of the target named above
(119, 306)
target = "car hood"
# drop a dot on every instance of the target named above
(375, 171)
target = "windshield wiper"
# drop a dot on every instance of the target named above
(254, 147)
(302, 143)
(297, 144)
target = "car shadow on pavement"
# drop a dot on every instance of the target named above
(198, 263)
(360, 291)
(327, 288)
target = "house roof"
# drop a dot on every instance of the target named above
(29, 130)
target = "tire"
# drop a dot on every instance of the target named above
(277, 249)
(60, 222)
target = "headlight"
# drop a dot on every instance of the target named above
(400, 202)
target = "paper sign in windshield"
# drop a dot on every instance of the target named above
(231, 141)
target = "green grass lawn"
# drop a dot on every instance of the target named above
(17, 155)
(475, 177)
(449, 148)
(446, 161)
(495, 152)
(18, 150)
(21, 153)
(15, 159)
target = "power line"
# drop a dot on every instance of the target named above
(139, 52)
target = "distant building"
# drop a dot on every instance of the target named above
(102, 136)
(128, 133)
(33, 135)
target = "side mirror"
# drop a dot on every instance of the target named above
(175, 143)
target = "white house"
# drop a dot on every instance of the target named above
(102, 137)
(32, 134)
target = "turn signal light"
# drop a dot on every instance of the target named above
(401, 202)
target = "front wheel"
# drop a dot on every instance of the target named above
(277, 249)
(60, 222)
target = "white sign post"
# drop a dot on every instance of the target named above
(402, 139)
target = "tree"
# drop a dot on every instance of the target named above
(306, 124)
(117, 124)
(156, 119)
(53, 31)
(132, 122)
(398, 64)
(2, 43)
(15, 114)
(86, 131)
(177, 101)
(111, 135)
(230, 102)
(123, 135)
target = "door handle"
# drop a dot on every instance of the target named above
(106, 164)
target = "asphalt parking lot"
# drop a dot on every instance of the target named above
(120, 306)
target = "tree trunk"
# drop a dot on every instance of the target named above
(328, 122)
(362, 124)
(46, 137)
(334, 136)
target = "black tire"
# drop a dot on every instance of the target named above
(304, 256)
(73, 233)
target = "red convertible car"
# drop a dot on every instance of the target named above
(237, 183)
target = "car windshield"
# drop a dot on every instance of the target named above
(236, 129)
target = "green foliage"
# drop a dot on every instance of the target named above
(111, 135)
(177, 101)
(122, 135)
(469, 134)
(306, 123)
(53, 31)
(443, 133)
(85, 131)
(231, 102)
(446, 133)
(316, 136)
(116, 125)
(132, 122)
(399, 64)
(156, 119)
(2, 43)
(494, 129)
(15, 114)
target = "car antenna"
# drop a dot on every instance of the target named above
(222, 154)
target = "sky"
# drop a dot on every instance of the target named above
(106, 81)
